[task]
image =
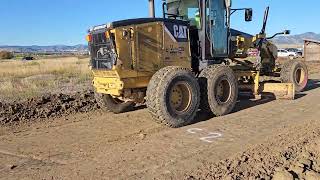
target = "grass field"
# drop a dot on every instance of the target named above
(21, 79)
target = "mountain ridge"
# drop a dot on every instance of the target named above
(296, 39)
(48, 48)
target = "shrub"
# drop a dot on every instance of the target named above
(6, 55)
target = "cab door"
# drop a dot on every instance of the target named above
(218, 29)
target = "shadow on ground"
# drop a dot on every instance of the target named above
(248, 101)
(245, 101)
(312, 84)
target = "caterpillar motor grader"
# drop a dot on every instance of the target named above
(187, 61)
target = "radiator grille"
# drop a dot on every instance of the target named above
(103, 55)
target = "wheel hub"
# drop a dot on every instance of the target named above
(223, 91)
(180, 97)
(299, 76)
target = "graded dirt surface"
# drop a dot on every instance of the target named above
(261, 139)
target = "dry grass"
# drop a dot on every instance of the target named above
(63, 66)
(20, 80)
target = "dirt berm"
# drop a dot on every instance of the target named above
(47, 106)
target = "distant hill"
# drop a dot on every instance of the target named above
(280, 40)
(45, 49)
(296, 39)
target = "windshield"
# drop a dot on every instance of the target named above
(185, 10)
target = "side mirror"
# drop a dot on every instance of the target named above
(286, 32)
(248, 15)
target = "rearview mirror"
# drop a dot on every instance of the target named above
(286, 32)
(248, 14)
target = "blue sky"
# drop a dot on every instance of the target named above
(51, 22)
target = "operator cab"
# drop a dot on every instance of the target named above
(209, 27)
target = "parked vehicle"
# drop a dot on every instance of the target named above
(28, 58)
(288, 54)
(296, 50)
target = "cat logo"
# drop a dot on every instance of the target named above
(180, 32)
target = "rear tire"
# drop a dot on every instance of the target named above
(173, 96)
(295, 72)
(219, 90)
(110, 104)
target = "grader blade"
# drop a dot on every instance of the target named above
(278, 90)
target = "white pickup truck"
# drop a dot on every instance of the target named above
(288, 54)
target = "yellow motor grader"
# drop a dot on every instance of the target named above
(187, 61)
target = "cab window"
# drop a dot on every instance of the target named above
(186, 10)
(194, 17)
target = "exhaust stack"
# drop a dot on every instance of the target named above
(152, 12)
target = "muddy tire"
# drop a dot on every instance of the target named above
(219, 90)
(173, 96)
(295, 72)
(108, 103)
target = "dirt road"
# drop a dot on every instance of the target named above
(261, 139)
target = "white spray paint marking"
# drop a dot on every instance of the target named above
(194, 130)
(209, 138)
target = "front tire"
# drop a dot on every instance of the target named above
(295, 72)
(110, 104)
(173, 96)
(219, 90)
